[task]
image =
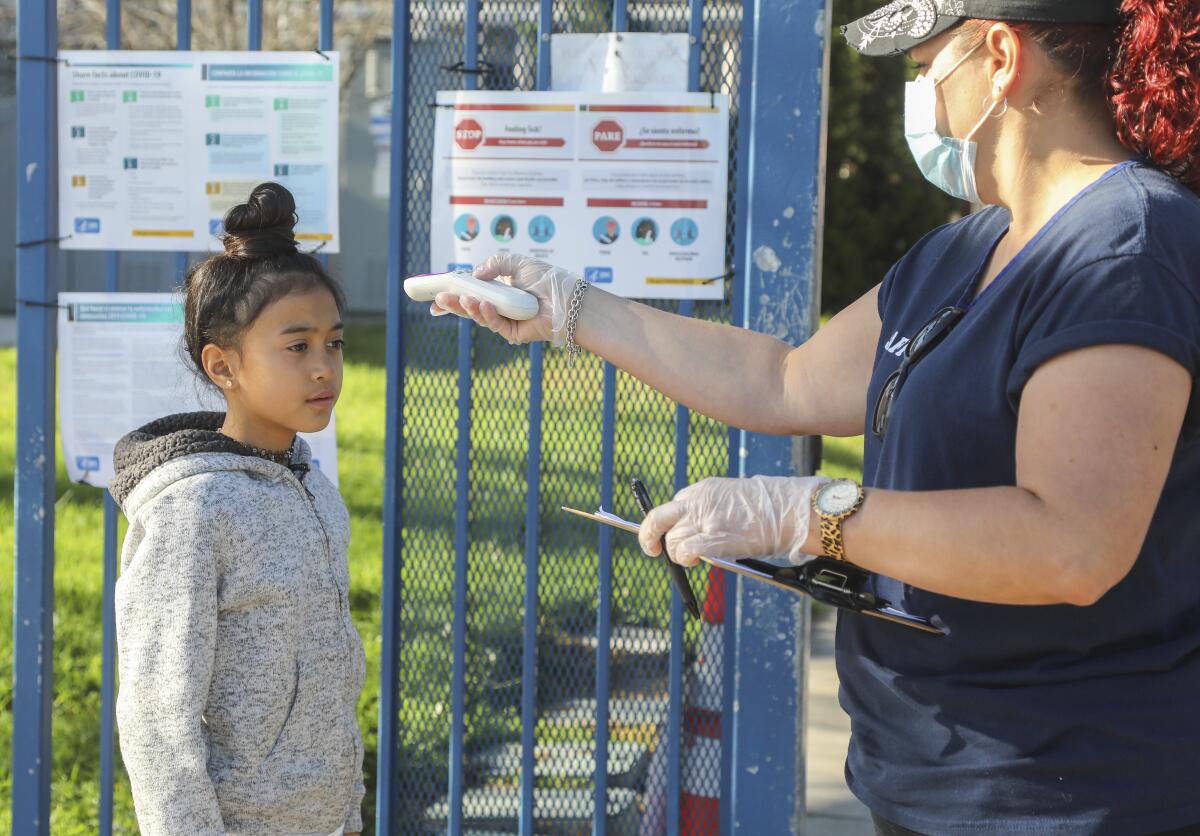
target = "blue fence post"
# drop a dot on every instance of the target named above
(386, 777)
(608, 433)
(675, 718)
(325, 32)
(183, 24)
(183, 41)
(533, 508)
(462, 464)
(324, 44)
(254, 11)
(33, 581)
(107, 598)
(108, 666)
(784, 74)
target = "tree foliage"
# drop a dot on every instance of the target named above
(877, 204)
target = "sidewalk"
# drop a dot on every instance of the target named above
(832, 810)
(8, 331)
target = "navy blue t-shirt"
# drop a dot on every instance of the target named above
(1035, 719)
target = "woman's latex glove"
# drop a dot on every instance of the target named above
(551, 285)
(763, 516)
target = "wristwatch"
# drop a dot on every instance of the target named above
(834, 502)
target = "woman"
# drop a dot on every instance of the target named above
(1027, 381)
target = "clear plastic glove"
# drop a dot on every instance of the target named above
(551, 285)
(762, 516)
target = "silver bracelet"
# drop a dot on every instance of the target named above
(573, 349)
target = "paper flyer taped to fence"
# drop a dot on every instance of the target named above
(121, 365)
(154, 147)
(629, 190)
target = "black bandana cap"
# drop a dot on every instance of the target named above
(904, 24)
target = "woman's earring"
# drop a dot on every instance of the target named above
(229, 384)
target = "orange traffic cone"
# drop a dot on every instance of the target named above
(700, 770)
(700, 775)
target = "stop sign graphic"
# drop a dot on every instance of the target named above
(608, 135)
(468, 134)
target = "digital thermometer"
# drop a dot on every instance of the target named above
(510, 302)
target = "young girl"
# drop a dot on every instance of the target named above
(240, 666)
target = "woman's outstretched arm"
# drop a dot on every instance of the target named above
(737, 376)
(742, 377)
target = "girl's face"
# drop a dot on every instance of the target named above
(285, 375)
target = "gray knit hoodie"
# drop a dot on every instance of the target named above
(240, 667)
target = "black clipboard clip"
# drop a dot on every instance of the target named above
(833, 582)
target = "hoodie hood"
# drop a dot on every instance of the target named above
(194, 436)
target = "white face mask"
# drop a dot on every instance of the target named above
(946, 162)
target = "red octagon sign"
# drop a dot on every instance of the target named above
(608, 135)
(468, 134)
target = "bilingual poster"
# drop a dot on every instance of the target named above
(121, 365)
(629, 190)
(154, 147)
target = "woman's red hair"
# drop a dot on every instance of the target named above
(1148, 70)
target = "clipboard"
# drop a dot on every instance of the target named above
(830, 581)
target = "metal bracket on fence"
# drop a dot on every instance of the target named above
(34, 304)
(460, 67)
(23, 244)
(322, 54)
(47, 58)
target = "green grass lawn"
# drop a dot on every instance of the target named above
(567, 590)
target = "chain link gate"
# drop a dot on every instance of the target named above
(560, 651)
(597, 429)
(530, 665)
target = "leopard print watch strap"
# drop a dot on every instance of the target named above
(831, 537)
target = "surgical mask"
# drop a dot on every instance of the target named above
(946, 162)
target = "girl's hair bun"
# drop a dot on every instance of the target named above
(262, 226)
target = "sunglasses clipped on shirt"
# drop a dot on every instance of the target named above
(927, 339)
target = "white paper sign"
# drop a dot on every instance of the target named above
(154, 147)
(619, 62)
(628, 190)
(120, 366)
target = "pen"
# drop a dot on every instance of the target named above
(678, 576)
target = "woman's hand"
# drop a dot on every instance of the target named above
(551, 285)
(760, 516)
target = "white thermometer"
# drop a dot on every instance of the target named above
(510, 302)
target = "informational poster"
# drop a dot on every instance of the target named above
(154, 147)
(121, 365)
(628, 189)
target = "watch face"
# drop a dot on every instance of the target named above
(837, 497)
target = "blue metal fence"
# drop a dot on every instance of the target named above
(528, 664)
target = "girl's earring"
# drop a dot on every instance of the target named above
(229, 384)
